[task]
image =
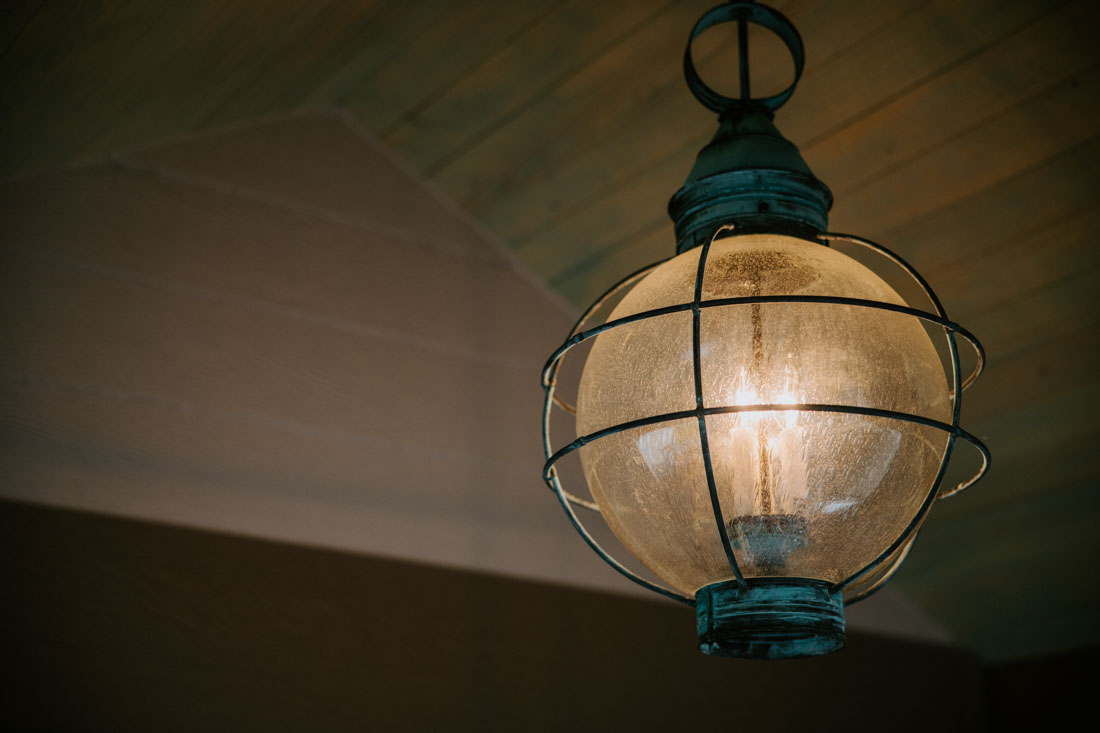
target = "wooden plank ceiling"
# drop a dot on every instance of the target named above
(961, 134)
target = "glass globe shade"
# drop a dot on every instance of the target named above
(803, 494)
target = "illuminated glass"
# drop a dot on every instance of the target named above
(803, 494)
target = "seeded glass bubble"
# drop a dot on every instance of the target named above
(803, 494)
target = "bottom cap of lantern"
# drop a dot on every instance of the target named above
(770, 618)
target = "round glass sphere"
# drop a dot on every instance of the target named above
(803, 494)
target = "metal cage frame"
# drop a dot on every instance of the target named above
(874, 574)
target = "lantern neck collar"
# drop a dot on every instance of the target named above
(749, 175)
(753, 178)
(747, 138)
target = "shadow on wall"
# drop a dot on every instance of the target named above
(111, 624)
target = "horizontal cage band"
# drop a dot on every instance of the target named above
(823, 238)
(884, 578)
(948, 428)
(564, 498)
(950, 326)
(906, 537)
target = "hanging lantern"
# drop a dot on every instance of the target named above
(762, 420)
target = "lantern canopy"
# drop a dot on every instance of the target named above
(763, 421)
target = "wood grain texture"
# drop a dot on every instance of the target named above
(516, 76)
(450, 42)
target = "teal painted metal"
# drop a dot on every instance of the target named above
(771, 618)
(749, 175)
(744, 13)
(752, 200)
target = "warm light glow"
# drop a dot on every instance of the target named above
(803, 494)
(770, 448)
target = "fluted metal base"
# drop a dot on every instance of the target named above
(773, 618)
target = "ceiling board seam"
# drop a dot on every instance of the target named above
(1057, 85)
(447, 32)
(987, 415)
(22, 28)
(417, 109)
(1036, 354)
(260, 305)
(253, 417)
(989, 510)
(1023, 173)
(594, 254)
(455, 250)
(815, 66)
(353, 491)
(928, 78)
(335, 85)
(664, 86)
(1018, 295)
(475, 140)
(1021, 236)
(1074, 410)
(207, 133)
(1032, 402)
(555, 298)
(686, 152)
(889, 234)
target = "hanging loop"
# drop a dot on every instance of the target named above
(744, 12)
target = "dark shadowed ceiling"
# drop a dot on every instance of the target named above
(961, 134)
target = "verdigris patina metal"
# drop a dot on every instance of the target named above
(769, 618)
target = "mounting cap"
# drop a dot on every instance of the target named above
(749, 175)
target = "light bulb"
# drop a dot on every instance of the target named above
(804, 494)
